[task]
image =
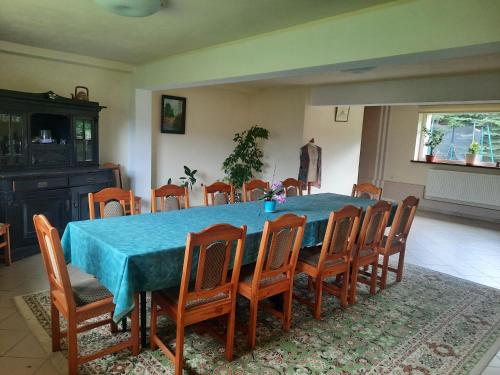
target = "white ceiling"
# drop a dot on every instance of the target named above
(82, 27)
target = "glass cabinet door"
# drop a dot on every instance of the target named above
(12, 139)
(84, 140)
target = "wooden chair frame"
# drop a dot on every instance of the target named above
(110, 194)
(179, 192)
(117, 170)
(250, 186)
(364, 261)
(254, 291)
(340, 261)
(218, 187)
(5, 244)
(63, 302)
(292, 182)
(184, 316)
(395, 242)
(372, 190)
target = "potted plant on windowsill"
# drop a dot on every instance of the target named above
(434, 137)
(472, 157)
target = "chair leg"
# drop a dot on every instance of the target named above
(354, 282)
(179, 348)
(72, 348)
(56, 330)
(153, 323)
(113, 327)
(401, 261)
(309, 283)
(385, 266)
(345, 290)
(373, 280)
(252, 324)
(318, 298)
(231, 318)
(134, 326)
(287, 309)
(7, 255)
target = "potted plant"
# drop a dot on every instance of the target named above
(276, 194)
(472, 157)
(434, 137)
(246, 157)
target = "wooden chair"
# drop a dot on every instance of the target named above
(112, 202)
(172, 197)
(331, 258)
(211, 295)
(219, 192)
(117, 171)
(5, 244)
(274, 270)
(366, 191)
(395, 242)
(254, 189)
(78, 302)
(292, 187)
(365, 253)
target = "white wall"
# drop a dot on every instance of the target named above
(108, 86)
(340, 143)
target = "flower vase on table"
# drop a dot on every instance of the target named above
(273, 196)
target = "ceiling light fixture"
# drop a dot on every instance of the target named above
(131, 8)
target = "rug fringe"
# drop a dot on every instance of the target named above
(57, 359)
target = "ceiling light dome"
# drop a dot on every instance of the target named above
(131, 8)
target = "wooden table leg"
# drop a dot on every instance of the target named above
(144, 341)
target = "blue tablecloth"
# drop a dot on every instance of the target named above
(146, 252)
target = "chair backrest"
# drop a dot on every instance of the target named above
(279, 249)
(340, 236)
(214, 245)
(372, 230)
(220, 193)
(116, 168)
(112, 202)
(402, 222)
(53, 258)
(254, 189)
(366, 191)
(172, 197)
(292, 187)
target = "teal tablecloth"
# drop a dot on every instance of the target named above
(146, 252)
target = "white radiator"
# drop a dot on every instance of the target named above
(473, 189)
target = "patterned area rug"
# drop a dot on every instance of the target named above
(430, 323)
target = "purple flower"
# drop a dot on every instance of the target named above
(277, 186)
(280, 198)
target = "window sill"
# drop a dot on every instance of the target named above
(458, 163)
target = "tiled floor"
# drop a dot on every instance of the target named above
(463, 248)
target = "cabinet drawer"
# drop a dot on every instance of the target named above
(90, 178)
(40, 184)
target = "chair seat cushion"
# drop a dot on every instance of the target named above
(89, 291)
(310, 255)
(172, 294)
(397, 241)
(247, 273)
(363, 252)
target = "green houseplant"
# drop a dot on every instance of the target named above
(246, 158)
(189, 178)
(434, 137)
(472, 157)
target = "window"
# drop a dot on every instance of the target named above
(460, 129)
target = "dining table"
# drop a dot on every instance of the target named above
(145, 252)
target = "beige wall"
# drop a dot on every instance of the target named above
(340, 143)
(111, 88)
(213, 116)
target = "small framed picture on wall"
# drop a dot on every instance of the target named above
(173, 114)
(342, 113)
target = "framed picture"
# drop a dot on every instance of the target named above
(342, 113)
(173, 114)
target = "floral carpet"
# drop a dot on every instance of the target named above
(430, 323)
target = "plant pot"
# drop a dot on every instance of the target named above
(471, 159)
(430, 158)
(270, 206)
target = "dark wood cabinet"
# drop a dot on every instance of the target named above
(49, 154)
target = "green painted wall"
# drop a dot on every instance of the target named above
(396, 29)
